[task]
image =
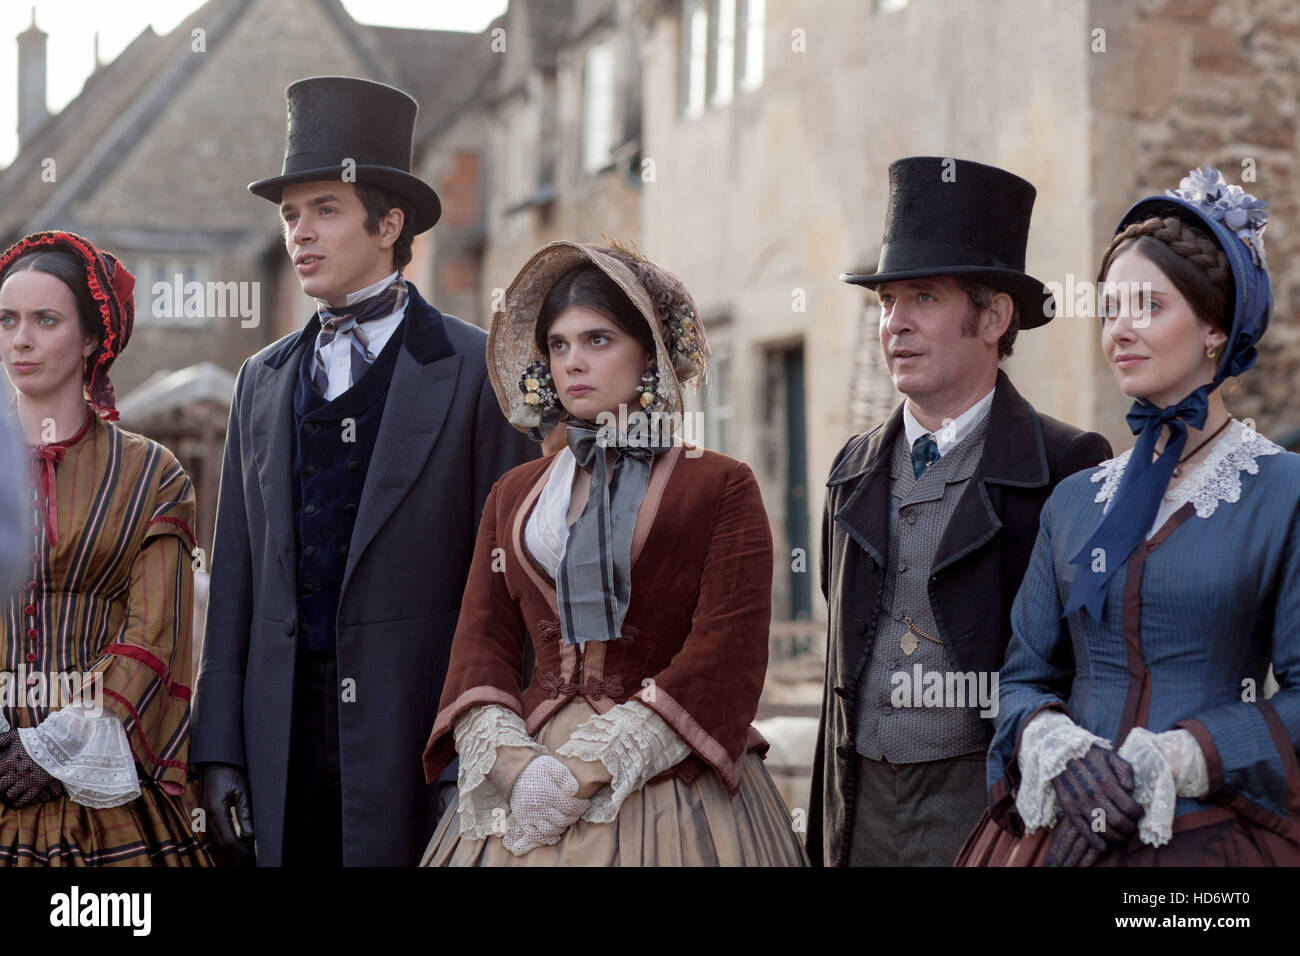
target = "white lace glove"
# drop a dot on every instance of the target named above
(1047, 744)
(543, 804)
(482, 785)
(1165, 766)
(633, 743)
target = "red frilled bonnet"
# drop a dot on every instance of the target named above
(112, 289)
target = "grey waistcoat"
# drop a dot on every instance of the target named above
(919, 513)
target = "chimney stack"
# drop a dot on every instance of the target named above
(32, 111)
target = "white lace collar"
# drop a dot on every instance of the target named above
(1217, 478)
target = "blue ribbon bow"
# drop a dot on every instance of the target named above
(1137, 500)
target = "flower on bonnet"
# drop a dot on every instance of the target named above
(1239, 211)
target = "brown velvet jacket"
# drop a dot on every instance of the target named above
(694, 641)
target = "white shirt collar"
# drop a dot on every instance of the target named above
(950, 435)
(365, 293)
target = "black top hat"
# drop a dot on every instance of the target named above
(960, 218)
(338, 118)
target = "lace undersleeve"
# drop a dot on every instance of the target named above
(89, 754)
(1217, 478)
(1047, 744)
(635, 745)
(479, 732)
(1165, 766)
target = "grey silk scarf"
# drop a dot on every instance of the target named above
(594, 582)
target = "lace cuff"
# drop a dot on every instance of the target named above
(1165, 766)
(1047, 744)
(89, 755)
(1187, 760)
(480, 733)
(633, 743)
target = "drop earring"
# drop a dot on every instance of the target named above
(649, 389)
(538, 389)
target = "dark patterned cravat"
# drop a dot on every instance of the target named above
(924, 454)
(350, 320)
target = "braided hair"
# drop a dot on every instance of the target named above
(1192, 259)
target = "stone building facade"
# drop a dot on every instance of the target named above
(152, 159)
(742, 143)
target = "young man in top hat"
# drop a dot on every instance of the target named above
(359, 455)
(930, 521)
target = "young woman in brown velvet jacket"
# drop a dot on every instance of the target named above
(642, 577)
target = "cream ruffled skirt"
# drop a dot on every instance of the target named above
(666, 823)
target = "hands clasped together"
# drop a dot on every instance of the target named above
(1097, 798)
(1097, 808)
(545, 803)
(512, 786)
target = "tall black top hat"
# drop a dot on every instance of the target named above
(954, 217)
(333, 119)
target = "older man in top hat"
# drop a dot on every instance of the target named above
(929, 523)
(360, 452)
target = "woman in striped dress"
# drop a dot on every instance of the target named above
(95, 644)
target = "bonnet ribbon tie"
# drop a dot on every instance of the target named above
(1137, 500)
(594, 581)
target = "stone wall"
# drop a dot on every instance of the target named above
(1195, 83)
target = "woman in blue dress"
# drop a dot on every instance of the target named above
(1133, 727)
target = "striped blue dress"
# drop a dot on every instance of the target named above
(1191, 623)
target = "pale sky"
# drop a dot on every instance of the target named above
(72, 24)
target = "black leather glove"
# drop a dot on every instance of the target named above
(221, 787)
(23, 781)
(1100, 780)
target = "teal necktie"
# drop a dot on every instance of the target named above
(924, 454)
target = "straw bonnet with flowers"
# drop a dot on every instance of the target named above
(519, 373)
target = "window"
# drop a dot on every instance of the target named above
(721, 56)
(598, 120)
(696, 55)
(724, 76)
(163, 286)
(720, 413)
(519, 151)
(751, 74)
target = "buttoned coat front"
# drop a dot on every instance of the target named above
(976, 572)
(442, 443)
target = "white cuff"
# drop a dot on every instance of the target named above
(1165, 766)
(90, 756)
(1047, 744)
(1187, 760)
(483, 810)
(634, 743)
